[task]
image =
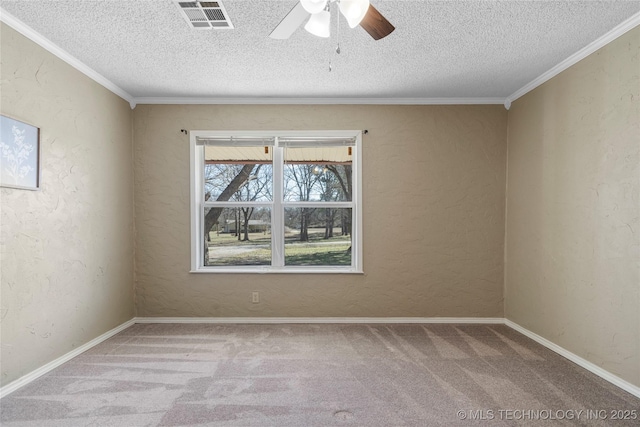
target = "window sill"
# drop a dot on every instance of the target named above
(275, 270)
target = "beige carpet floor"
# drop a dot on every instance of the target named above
(318, 375)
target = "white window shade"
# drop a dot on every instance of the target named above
(234, 141)
(237, 149)
(313, 142)
(318, 154)
(238, 154)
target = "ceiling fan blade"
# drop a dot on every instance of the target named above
(375, 24)
(290, 23)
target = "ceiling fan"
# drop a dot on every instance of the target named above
(357, 12)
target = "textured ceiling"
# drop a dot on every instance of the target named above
(440, 49)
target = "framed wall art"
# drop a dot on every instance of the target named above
(19, 154)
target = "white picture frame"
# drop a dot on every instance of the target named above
(19, 154)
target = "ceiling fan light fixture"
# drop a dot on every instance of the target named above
(314, 6)
(319, 24)
(354, 11)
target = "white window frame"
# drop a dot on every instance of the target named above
(277, 205)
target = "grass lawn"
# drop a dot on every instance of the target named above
(255, 257)
(297, 254)
(228, 239)
(318, 251)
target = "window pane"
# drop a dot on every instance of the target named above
(317, 236)
(237, 236)
(238, 173)
(318, 174)
(317, 182)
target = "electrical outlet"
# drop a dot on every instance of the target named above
(255, 297)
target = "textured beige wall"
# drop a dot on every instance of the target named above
(573, 209)
(67, 250)
(434, 179)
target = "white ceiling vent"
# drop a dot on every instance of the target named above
(205, 15)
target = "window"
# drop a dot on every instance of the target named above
(276, 202)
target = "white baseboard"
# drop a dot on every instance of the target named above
(591, 367)
(606, 375)
(22, 381)
(277, 320)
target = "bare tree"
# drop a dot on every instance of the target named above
(303, 179)
(331, 191)
(343, 174)
(256, 185)
(241, 177)
(212, 216)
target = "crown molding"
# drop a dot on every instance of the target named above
(56, 50)
(39, 39)
(618, 31)
(319, 101)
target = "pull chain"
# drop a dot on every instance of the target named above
(338, 32)
(338, 39)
